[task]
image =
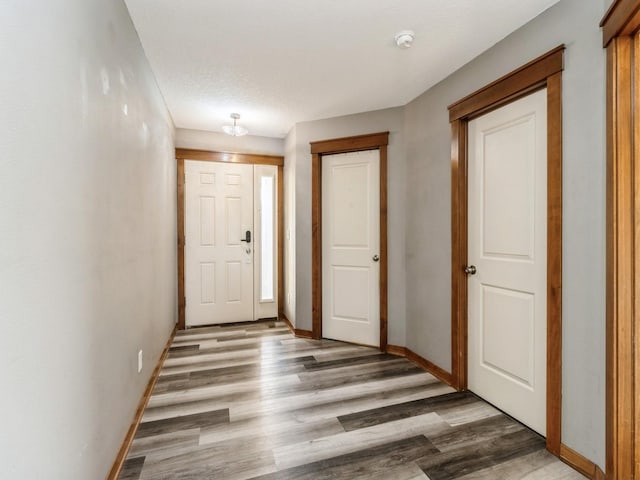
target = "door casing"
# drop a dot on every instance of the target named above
(545, 71)
(183, 154)
(374, 141)
(621, 38)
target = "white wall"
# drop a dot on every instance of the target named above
(220, 142)
(87, 234)
(574, 23)
(391, 120)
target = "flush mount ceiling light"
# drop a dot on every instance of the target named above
(235, 130)
(404, 39)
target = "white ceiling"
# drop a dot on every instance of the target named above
(279, 62)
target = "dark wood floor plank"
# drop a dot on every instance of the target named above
(132, 468)
(179, 409)
(186, 422)
(229, 375)
(480, 431)
(256, 434)
(176, 350)
(373, 357)
(404, 410)
(338, 406)
(165, 444)
(399, 371)
(220, 461)
(481, 454)
(362, 464)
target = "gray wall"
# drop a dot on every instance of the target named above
(199, 139)
(87, 234)
(382, 120)
(289, 171)
(574, 23)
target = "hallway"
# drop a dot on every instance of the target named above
(251, 401)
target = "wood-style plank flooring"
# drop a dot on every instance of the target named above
(250, 401)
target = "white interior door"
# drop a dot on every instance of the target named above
(350, 247)
(218, 265)
(508, 247)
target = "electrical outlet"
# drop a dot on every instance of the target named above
(139, 361)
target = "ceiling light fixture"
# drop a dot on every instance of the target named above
(235, 130)
(405, 38)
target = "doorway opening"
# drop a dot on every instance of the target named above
(232, 274)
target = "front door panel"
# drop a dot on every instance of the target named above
(218, 265)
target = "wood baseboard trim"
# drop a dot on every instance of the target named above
(302, 333)
(581, 463)
(283, 318)
(298, 332)
(423, 363)
(396, 350)
(133, 428)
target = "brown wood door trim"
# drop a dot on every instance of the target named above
(374, 141)
(545, 71)
(620, 28)
(357, 143)
(183, 154)
(228, 157)
(554, 262)
(459, 252)
(182, 300)
(621, 20)
(530, 76)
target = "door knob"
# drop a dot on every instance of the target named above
(470, 270)
(376, 258)
(247, 237)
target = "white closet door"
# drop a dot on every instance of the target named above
(508, 247)
(350, 247)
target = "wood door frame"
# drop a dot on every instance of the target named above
(544, 71)
(374, 141)
(183, 154)
(620, 27)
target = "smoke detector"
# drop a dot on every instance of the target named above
(404, 39)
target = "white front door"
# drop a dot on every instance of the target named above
(350, 247)
(507, 244)
(218, 264)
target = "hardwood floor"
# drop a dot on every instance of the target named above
(250, 401)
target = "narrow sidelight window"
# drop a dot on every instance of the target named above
(267, 237)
